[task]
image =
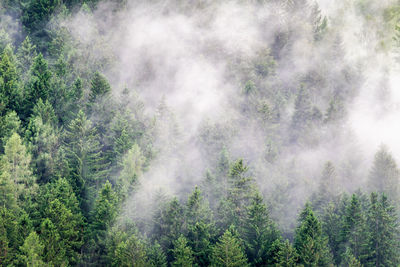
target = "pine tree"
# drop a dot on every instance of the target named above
(302, 112)
(331, 220)
(39, 85)
(32, 251)
(53, 245)
(69, 227)
(102, 218)
(43, 138)
(228, 252)
(327, 188)
(85, 161)
(384, 175)
(286, 255)
(309, 242)
(132, 165)
(26, 54)
(168, 223)
(383, 233)
(99, 87)
(16, 168)
(182, 253)
(10, 91)
(156, 256)
(9, 124)
(354, 229)
(199, 227)
(240, 192)
(130, 253)
(259, 232)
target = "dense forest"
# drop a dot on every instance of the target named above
(199, 133)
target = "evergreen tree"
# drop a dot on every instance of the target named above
(102, 217)
(309, 242)
(327, 188)
(182, 253)
(15, 165)
(26, 54)
(99, 87)
(199, 227)
(43, 138)
(69, 227)
(130, 253)
(228, 252)
(156, 256)
(10, 92)
(301, 118)
(85, 160)
(240, 192)
(9, 124)
(354, 229)
(53, 246)
(286, 256)
(32, 251)
(132, 165)
(168, 224)
(384, 175)
(383, 233)
(259, 232)
(331, 220)
(39, 85)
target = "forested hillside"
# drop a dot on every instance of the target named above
(199, 133)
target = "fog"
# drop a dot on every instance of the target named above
(195, 61)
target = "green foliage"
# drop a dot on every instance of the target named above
(15, 168)
(182, 253)
(310, 242)
(32, 251)
(39, 85)
(10, 89)
(228, 252)
(87, 169)
(384, 174)
(259, 232)
(383, 233)
(132, 165)
(99, 87)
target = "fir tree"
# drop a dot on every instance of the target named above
(182, 253)
(310, 243)
(228, 252)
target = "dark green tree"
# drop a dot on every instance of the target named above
(259, 232)
(228, 252)
(85, 161)
(99, 86)
(10, 89)
(102, 218)
(32, 251)
(310, 243)
(39, 85)
(182, 253)
(383, 233)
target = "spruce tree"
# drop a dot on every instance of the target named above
(85, 160)
(228, 252)
(32, 251)
(309, 242)
(182, 253)
(259, 232)
(383, 233)
(39, 85)
(384, 175)
(99, 86)
(10, 91)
